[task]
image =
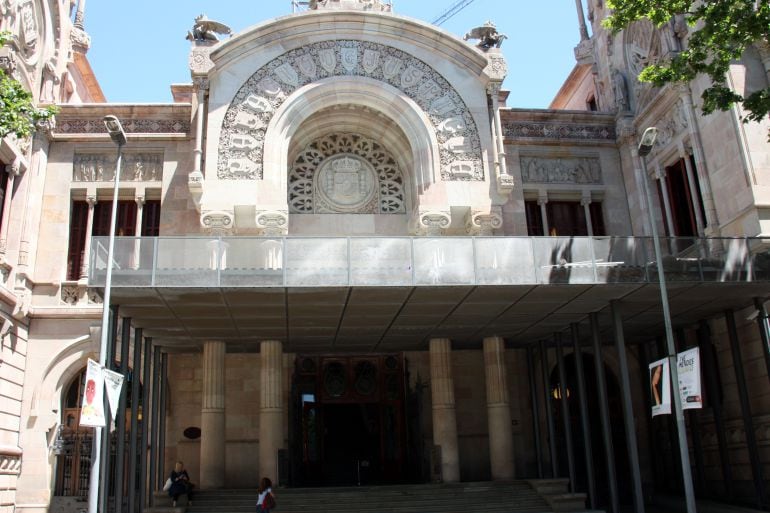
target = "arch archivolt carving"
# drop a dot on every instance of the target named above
(241, 141)
(346, 173)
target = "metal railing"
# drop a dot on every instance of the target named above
(422, 261)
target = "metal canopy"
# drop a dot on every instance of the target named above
(364, 319)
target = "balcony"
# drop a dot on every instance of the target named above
(256, 262)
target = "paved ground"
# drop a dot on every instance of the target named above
(671, 504)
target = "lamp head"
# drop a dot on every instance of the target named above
(114, 128)
(648, 141)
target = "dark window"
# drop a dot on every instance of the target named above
(534, 218)
(597, 218)
(124, 227)
(77, 242)
(591, 103)
(566, 219)
(151, 218)
(683, 200)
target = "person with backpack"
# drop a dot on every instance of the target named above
(266, 499)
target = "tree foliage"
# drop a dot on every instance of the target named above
(18, 113)
(720, 32)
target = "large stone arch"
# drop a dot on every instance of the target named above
(384, 100)
(447, 121)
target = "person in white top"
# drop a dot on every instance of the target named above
(266, 499)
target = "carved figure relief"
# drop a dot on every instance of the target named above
(242, 136)
(675, 122)
(346, 173)
(100, 167)
(642, 47)
(571, 170)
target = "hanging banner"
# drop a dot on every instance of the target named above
(92, 410)
(688, 365)
(113, 382)
(660, 387)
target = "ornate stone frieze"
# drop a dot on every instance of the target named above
(217, 221)
(569, 170)
(673, 123)
(273, 222)
(346, 173)
(561, 131)
(132, 126)
(10, 464)
(241, 140)
(484, 222)
(100, 167)
(432, 222)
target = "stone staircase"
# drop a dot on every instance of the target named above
(482, 497)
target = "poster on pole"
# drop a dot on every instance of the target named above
(92, 410)
(113, 382)
(660, 387)
(688, 365)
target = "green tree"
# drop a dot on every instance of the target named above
(720, 32)
(18, 113)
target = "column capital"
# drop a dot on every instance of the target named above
(483, 221)
(433, 222)
(273, 222)
(218, 222)
(91, 200)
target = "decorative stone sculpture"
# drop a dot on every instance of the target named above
(487, 35)
(206, 29)
(620, 90)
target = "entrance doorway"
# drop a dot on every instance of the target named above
(348, 421)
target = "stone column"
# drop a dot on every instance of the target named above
(7, 199)
(212, 473)
(585, 201)
(443, 400)
(498, 410)
(542, 201)
(85, 262)
(270, 407)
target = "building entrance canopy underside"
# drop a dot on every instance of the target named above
(395, 293)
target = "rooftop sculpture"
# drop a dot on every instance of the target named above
(206, 29)
(487, 35)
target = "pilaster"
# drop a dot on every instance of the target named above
(271, 407)
(498, 410)
(443, 404)
(212, 469)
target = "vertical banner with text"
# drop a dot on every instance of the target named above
(688, 364)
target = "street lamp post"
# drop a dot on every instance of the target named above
(118, 136)
(645, 147)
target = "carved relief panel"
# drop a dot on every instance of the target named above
(346, 173)
(100, 167)
(243, 130)
(568, 170)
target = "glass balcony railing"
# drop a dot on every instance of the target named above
(422, 261)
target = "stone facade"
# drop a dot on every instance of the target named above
(384, 127)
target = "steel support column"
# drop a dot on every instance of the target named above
(549, 410)
(601, 385)
(154, 479)
(711, 372)
(748, 423)
(565, 410)
(144, 439)
(585, 421)
(628, 409)
(136, 372)
(763, 323)
(162, 420)
(535, 411)
(120, 415)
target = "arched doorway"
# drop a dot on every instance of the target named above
(614, 399)
(73, 443)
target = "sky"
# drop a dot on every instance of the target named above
(138, 47)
